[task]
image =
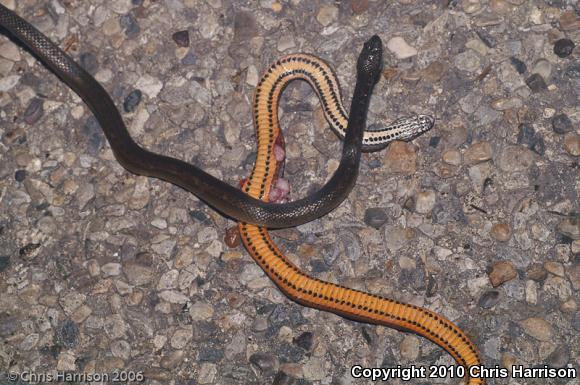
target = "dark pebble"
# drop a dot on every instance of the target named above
(576, 321)
(68, 334)
(573, 71)
(489, 299)
(374, 163)
(34, 111)
(375, 217)
(536, 83)
(559, 358)
(92, 131)
(486, 38)
(318, 265)
(181, 38)
(9, 325)
(207, 354)
(28, 249)
(305, 340)
(4, 262)
(20, 175)
(289, 353)
(283, 314)
(266, 362)
(130, 25)
(519, 65)
(199, 216)
(89, 62)
(527, 136)
(189, 59)
(434, 141)
(137, 2)
(132, 100)
(561, 124)
(563, 47)
(52, 351)
(282, 378)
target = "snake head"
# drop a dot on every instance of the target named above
(370, 60)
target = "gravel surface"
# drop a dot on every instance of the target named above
(102, 270)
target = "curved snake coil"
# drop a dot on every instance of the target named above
(297, 285)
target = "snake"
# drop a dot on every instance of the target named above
(296, 284)
(223, 197)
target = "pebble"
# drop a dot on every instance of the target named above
(410, 347)
(502, 272)
(130, 25)
(555, 268)
(20, 175)
(536, 83)
(478, 152)
(569, 21)
(305, 341)
(506, 104)
(209, 354)
(563, 47)
(34, 111)
(543, 68)
(68, 334)
(572, 144)
(172, 359)
(519, 65)
(200, 311)
(536, 272)
(181, 38)
(452, 157)
(282, 378)
(559, 358)
(359, 6)
(285, 43)
(111, 269)
(425, 201)
(137, 274)
(207, 373)
(121, 349)
(528, 137)
(401, 158)
(181, 338)
(8, 82)
(4, 264)
(467, 61)
(537, 328)
(132, 101)
(489, 299)
(375, 217)
(267, 363)
(570, 227)
(561, 124)
(402, 50)
(501, 232)
(515, 158)
(327, 14)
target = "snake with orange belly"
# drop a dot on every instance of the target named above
(263, 183)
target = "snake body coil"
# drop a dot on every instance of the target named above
(299, 286)
(221, 196)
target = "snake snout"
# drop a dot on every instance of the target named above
(370, 61)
